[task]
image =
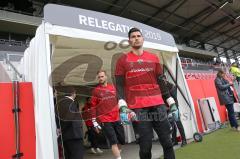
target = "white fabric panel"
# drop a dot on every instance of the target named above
(187, 118)
(188, 112)
(51, 105)
(37, 70)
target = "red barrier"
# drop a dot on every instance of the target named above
(200, 88)
(26, 120)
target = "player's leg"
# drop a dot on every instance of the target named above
(143, 128)
(163, 130)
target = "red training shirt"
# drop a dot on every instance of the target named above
(140, 85)
(104, 103)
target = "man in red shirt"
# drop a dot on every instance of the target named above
(91, 133)
(140, 88)
(105, 111)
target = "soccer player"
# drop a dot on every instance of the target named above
(106, 116)
(140, 88)
(92, 135)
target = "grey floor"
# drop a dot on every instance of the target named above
(129, 151)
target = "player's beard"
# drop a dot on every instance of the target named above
(102, 82)
(137, 47)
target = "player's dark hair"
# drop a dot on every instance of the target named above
(133, 30)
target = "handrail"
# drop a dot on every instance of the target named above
(13, 42)
(14, 68)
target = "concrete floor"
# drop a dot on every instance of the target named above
(129, 151)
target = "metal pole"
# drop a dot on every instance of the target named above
(16, 111)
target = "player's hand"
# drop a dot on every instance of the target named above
(174, 112)
(96, 126)
(126, 118)
(173, 108)
(122, 106)
(126, 114)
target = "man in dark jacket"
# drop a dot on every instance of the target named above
(225, 95)
(71, 125)
(173, 92)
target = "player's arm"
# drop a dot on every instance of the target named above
(94, 102)
(120, 93)
(120, 80)
(165, 91)
(167, 97)
(125, 114)
(120, 86)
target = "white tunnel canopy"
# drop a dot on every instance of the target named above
(70, 46)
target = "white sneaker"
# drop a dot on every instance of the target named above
(238, 129)
(99, 150)
(93, 151)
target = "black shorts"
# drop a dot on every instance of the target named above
(151, 118)
(114, 132)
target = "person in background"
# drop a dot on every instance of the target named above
(106, 113)
(226, 97)
(235, 71)
(71, 125)
(92, 135)
(173, 92)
